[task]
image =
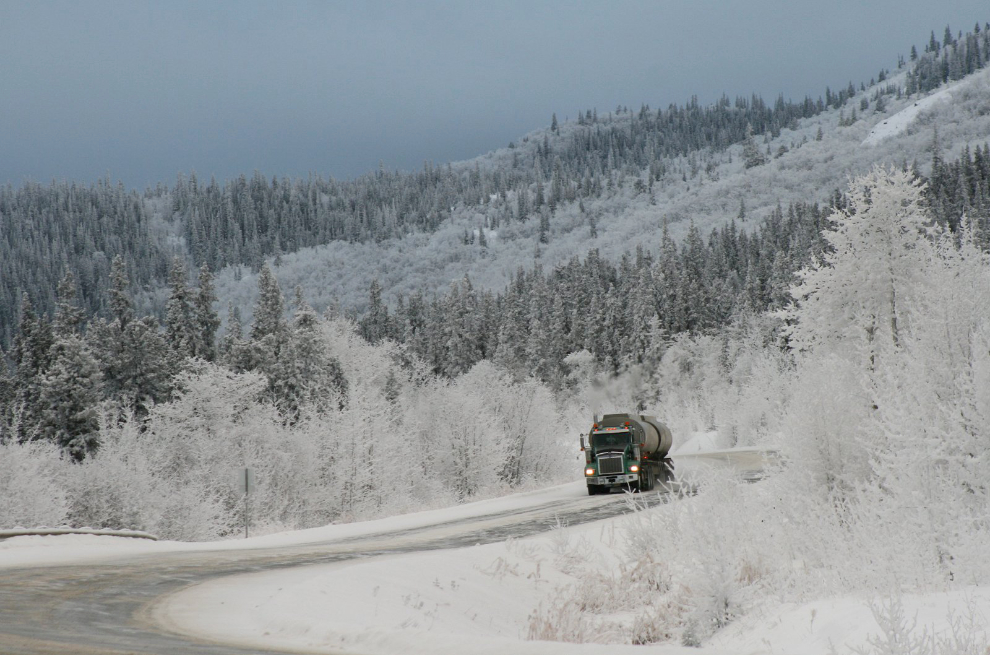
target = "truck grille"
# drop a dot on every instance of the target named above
(609, 465)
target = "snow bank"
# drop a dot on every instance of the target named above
(475, 600)
(846, 624)
(697, 443)
(70, 549)
(899, 122)
(480, 600)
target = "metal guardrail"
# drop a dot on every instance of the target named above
(46, 531)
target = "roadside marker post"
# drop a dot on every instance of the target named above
(245, 483)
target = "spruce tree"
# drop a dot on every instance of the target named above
(31, 354)
(269, 310)
(70, 398)
(752, 156)
(269, 331)
(544, 235)
(180, 324)
(375, 325)
(120, 301)
(306, 373)
(68, 315)
(207, 320)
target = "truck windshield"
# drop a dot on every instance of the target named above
(604, 439)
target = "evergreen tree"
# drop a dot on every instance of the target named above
(70, 398)
(374, 326)
(207, 320)
(31, 354)
(751, 152)
(181, 332)
(68, 315)
(269, 331)
(544, 234)
(120, 302)
(307, 374)
(136, 365)
(235, 352)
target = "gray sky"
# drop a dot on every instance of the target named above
(143, 91)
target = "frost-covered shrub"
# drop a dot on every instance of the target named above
(825, 427)
(731, 383)
(113, 490)
(30, 493)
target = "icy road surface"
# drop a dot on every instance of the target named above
(94, 595)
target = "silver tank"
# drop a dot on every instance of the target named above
(646, 430)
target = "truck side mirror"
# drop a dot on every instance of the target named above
(582, 442)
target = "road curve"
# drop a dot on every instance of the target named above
(101, 609)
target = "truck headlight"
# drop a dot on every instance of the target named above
(589, 471)
(634, 468)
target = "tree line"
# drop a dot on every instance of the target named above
(952, 58)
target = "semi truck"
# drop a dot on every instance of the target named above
(628, 451)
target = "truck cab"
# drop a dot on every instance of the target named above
(627, 451)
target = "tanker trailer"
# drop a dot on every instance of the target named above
(626, 450)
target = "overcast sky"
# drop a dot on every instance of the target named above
(142, 91)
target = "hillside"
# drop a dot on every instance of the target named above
(627, 217)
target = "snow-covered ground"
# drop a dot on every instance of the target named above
(68, 549)
(900, 121)
(480, 600)
(474, 600)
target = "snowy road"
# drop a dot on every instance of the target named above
(104, 606)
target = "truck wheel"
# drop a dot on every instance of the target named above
(592, 489)
(646, 482)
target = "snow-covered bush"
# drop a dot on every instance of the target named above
(731, 383)
(825, 427)
(30, 495)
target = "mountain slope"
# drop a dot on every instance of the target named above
(626, 217)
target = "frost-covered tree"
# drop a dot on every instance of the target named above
(181, 331)
(374, 325)
(31, 355)
(70, 398)
(207, 320)
(306, 374)
(854, 297)
(934, 405)
(69, 317)
(121, 307)
(269, 331)
(752, 156)
(135, 361)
